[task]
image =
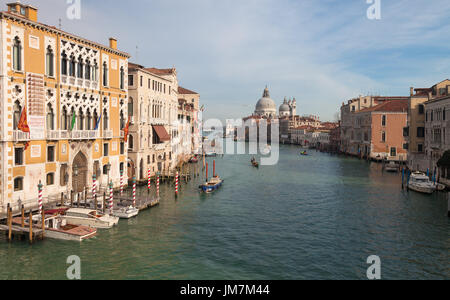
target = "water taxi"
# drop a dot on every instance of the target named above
(420, 182)
(126, 212)
(89, 217)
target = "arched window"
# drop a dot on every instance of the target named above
(50, 62)
(95, 116)
(72, 66)
(122, 120)
(17, 113)
(64, 64)
(17, 54)
(88, 120)
(105, 74)
(87, 70)
(130, 106)
(64, 119)
(80, 68)
(130, 142)
(95, 71)
(18, 184)
(50, 117)
(80, 119)
(105, 119)
(122, 78)
(70, 118)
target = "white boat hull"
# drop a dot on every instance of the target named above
(422, 189)
(101, 223)
(58, 235)
(126, 214)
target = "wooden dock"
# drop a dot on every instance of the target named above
(23, 232)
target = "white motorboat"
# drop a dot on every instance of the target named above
(392, 167)
(56, 227)
(89, 217)
(419, 182)
(126, 212)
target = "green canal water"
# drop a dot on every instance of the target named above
(315, 217)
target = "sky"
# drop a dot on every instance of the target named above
(322, 52)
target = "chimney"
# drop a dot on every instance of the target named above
(26, 11)
(113, 43)
(411, 91)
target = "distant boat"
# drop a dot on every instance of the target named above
(211, 154)
(255, 163)
(126, 212)
(392, 167)
(420, 182)
(212, 185)
(304, 153)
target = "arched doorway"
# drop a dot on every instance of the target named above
(130, 169)
(141, 170)
(81, 165)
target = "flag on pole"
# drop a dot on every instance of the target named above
(125, 131)
(23, 122)
(72, 125)
(97, 124)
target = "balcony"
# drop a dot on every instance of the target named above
(53, 135)
(84, 135)
(107, 134)
(19, 136)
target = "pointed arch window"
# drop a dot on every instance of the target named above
(130, 106)
(122, 120)
(72, 66)
(88, 120)
(17, 113)
(87, 71)
(64, 64)
(95, 71)
(122, 78)
(49, 62)
(50, 117)
(80, 119)
(80, 68)
(95, 116)
(64, 120)
(17, 54)
(105, 119)
(105, 74)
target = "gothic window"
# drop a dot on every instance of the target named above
(95, 71)
(17, 113)
(64, 64)
(87, 70)
(95, 116)
(122, 120)
(64, 119)
(80, 120)
(50, 117)
(105, 74)
(88, 120)
(130, 106)
(72, 66)
(17, 55)
(105, 119)
(80, 68)
(49, 63)
(122, 78)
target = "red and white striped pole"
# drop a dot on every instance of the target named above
(134, 191)
(121, 182)
(157, 185)
(94, 187)
(149, 183)
(40, 197)
(176, 184)
(111, 197)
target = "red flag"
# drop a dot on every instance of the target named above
(23, 122)
(27, 144)
(126, 130)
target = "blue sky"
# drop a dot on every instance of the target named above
(322, 52)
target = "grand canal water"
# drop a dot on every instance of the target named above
(315, 217)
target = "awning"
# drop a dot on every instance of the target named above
(162, 133)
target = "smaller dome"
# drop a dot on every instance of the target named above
(285, 106)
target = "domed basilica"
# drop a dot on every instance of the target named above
(266, 107)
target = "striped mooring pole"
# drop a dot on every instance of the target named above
(149, 182)
(40, 196)
(121, 182)
(134, 191)
(157, 185)
(111, 197)
(176, 184)
(94, 187)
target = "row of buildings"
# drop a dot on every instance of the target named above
(307, 131)
(414, 130)
(67, 104)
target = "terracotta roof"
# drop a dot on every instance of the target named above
(183, 91)
(389, 106)
(161, 71)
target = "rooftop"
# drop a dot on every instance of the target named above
(183, 91)
(389, 106)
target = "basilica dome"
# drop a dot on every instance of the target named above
(266, 106)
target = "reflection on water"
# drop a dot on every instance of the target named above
(313, 217)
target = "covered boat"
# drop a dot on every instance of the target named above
(89, 217)
(420, 182)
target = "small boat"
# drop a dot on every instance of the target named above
(255, 163)
(420, 182)
(56, 227)
(193, 160)
(89, 217)
(392, 167)
(126, 212)
(211, 154)
(213, 184)
(304, 153)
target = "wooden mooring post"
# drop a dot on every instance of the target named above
(71, 199)
(448, 207)
(95, 202)
(23, 216)
(9, 223)
(30, 224)
(62, 199)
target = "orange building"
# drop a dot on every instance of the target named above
(74, 92)
(378, 131)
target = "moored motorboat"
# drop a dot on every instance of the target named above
(392, 167)
(89, 217)
(126, 212)
(56, 227)
(419, 182)
(213, 184)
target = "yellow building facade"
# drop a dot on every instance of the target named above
(75, 94)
